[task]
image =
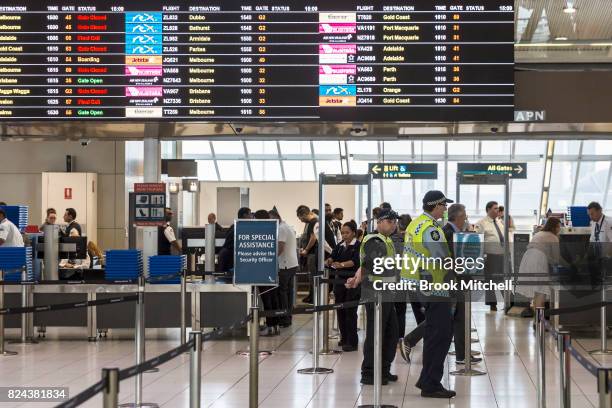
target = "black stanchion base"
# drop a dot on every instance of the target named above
(313, 370)
(475, 341)
(8, 353)
(600, 352)
(377, 406)
(142, 404)
(92, 339)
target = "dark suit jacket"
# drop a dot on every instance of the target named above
(448, 234)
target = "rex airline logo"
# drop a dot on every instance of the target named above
(338, 90)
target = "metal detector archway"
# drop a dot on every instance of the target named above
(329, 179)
(493, 179)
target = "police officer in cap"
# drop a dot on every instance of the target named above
(425, 239)
(378, 245)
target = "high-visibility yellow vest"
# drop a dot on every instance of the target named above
(414, 249)
(390, 254)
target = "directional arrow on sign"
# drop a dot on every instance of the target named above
(519, 169)
(376, 169)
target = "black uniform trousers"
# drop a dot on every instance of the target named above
(437, 339)
(389, 339)
(347, 318)
(417, 334)
(270, 300)
(400, 311)
(285, 292)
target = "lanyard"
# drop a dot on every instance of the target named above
(598, 226)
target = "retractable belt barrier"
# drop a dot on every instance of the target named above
(566, 349)
(154, 362)
(63, 306)
(313, 309)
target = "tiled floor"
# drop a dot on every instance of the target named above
(507, 343)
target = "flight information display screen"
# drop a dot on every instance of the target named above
(268, 60)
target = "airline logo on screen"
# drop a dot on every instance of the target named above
(143, 64)
(337, 69)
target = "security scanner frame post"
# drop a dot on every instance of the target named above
(493, 179)
(320, 291)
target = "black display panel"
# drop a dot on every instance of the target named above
(409, 60)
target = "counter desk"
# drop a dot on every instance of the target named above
(207, 305)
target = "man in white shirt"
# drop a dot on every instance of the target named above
(493, 230)
(287, 265)
(9, 233)
(601, 230)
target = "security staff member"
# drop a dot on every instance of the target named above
(166, 239)
(601, 226)
(425, 240)
(9, 233)
(378, 245)
(73, 228)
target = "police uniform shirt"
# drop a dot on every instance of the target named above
(601, 231)
(434, 241)
(10, 234)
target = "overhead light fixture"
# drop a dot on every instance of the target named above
(561, 38)
(569, 9)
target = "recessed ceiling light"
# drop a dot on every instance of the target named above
(561, 39)
(569, 9)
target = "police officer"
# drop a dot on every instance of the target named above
(378, 245)
(425, 240)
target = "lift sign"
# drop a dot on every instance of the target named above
(256, 252)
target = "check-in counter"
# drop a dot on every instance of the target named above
(207, 305)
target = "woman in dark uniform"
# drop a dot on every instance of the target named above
(344, 260)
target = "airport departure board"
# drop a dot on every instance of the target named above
(268, 60)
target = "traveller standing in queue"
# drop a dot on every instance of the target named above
(288, 266)
(344, 261)
(166, 238)
(73, 228)
(10, 236)
(50, 219)
(308, 244)
(378, 246)
(269, 294)
(226, 254)
(425, 240)
(493, 230)
(338, 216)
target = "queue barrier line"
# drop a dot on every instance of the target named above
(64, 306)
(584, 362)
(574, 309)
(84, 396)
(150, 364)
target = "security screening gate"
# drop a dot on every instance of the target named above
(322, 293)
(494, 174)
